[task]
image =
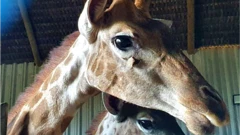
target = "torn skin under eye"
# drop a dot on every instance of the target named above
(130, 62)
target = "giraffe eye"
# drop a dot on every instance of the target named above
(145, 124)
(122, 42)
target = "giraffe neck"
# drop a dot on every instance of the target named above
(68, 77)
(62, 91)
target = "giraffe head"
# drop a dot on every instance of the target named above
(131, 57)
(128, 119)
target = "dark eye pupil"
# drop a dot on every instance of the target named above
(147, 124)
(122, 42)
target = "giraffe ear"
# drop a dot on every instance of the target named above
(112, 104)
(96, 10)
(118, 107)
(143, 5)
(92, 17)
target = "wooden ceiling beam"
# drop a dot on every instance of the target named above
(30, 34)
(190, 26)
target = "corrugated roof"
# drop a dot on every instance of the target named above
(217, 23)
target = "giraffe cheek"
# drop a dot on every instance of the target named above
(101, 74)
(100, 68)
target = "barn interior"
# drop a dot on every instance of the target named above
(207, 31)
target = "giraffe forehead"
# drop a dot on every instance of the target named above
(120, 28)
(146, 29)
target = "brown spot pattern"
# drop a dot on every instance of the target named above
(100, 68)
(35, 100)
(46, 83)
(55, 108)
(56, 75)
(73, 75)
(101, 129)
(109, 75)
(91, 91)
(18, 126)
(56, 57)
(66, 121)
(47, 131)
(69, 58)
(40, 115)
(111, 66)
(94, 65)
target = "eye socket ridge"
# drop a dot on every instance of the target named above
(122, 42)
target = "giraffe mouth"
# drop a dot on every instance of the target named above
(202, 116)
(203, 123)
(199, 123)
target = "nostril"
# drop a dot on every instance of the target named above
(207, 92)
